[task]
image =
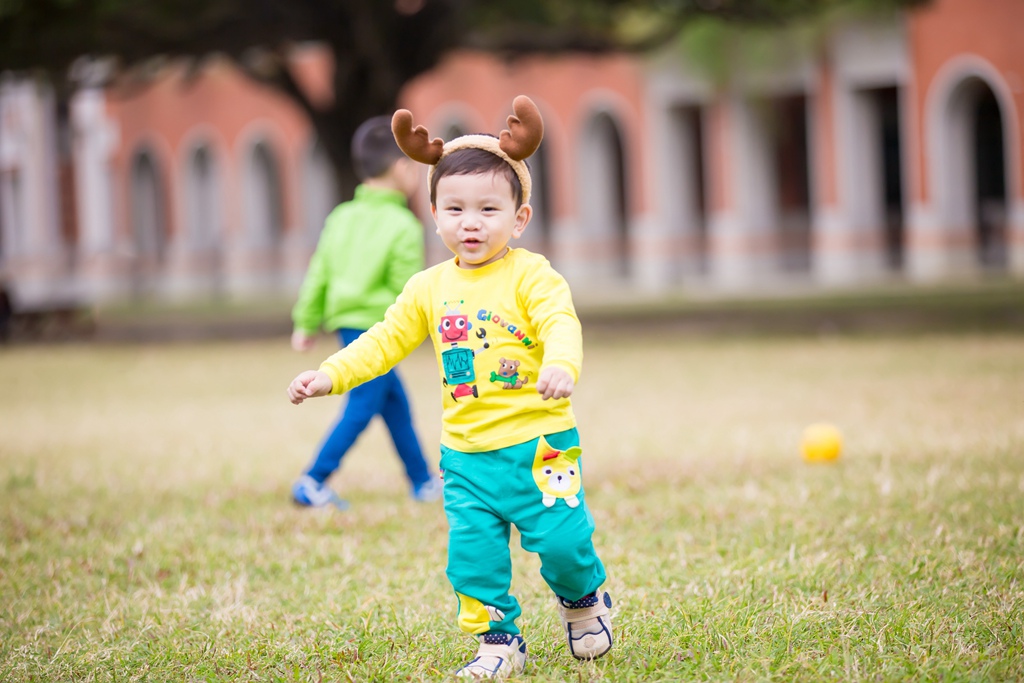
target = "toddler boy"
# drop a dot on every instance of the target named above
(509, 350)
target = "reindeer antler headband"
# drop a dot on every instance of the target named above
(525, 131)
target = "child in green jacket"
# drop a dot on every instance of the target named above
(370, 246)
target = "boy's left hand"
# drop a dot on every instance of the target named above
(309, 384)
(555, 382)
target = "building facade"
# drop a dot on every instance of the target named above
(890, 153)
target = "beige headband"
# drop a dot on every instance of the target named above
(521, 139)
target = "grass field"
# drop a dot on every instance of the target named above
(147, 532)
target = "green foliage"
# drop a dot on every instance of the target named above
(721, 47)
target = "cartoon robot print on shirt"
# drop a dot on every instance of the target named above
(457, 361)
(557, 473)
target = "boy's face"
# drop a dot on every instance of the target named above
(476, 217)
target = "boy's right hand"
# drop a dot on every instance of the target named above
(309, 384)
(302, 341)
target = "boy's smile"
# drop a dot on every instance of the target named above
(476, 216)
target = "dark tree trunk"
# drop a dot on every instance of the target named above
(380, 50)
(336, 125)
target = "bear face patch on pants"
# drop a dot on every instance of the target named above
(557, 473)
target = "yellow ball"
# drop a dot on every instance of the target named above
(821, 442)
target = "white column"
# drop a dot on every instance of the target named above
(96, 138)
(1015, 236)
(742, 238)
(36, 252)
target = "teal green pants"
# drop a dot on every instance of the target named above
(537, 486)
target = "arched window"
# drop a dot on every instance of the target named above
(202, 206)
(12, 210)
(539, 231)
(147, 209)
(603, 208)
(453, 130)
(264, 198)
(204, 216)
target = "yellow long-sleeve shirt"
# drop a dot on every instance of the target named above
(494, 329)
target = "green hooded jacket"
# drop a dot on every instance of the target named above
(370, 246)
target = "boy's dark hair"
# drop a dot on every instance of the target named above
(473, 160)
(374, 149)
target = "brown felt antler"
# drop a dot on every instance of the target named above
(416, 142)
(526, 129)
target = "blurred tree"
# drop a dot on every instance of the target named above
(378, 45)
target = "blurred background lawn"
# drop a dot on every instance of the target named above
(148, 533)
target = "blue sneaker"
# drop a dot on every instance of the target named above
(500, 655)
(429, 491)
(308, 492)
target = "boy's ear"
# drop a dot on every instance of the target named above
(523, 215)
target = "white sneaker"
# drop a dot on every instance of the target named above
(588, 624)
(429, 491)
(500, 655)
(308, 492)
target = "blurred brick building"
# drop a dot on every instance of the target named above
(893, 153)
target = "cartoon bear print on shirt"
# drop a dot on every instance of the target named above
(508, 374)
(557, 473)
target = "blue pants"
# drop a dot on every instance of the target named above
(536, 485)
(382, 396)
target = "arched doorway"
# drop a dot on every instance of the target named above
(990, 181)
(890, 176)
(973, 195)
